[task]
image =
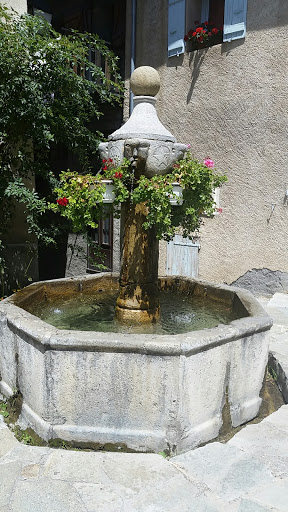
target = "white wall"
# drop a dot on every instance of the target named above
(230, 102)
(18, 5)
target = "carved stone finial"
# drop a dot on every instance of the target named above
(145, 81)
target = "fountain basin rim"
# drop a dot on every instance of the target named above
(48, 337)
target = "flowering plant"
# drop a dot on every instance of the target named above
(204, 35)
(80, 197)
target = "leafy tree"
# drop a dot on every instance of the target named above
(50, 93)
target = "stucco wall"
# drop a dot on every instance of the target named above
(230, 102)
(18, 5)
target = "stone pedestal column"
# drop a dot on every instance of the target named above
(152, 150)
(138, 299)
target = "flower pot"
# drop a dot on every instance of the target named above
(176, 199)
(109, 195)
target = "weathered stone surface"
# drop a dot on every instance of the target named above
(251, 506)
(149, 392)
(248, 474)
(7, 441)
(145, 81)
(225, 469)
(138, 299)
(31, 471)
(46, 496)
(263, 281)
(274, 496)
(8, 475)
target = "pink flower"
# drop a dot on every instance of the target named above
(219, 210)
(188, 146)
(209, 163)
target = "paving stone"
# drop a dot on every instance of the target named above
(31, 471)
(46, 496)
(252, 506)
(279, 418)
(267, 443)
(262, 438)
(279, 314)
(7, 441)
(27, 454)
(8, 474)
(279, 300)
(275, 496)
(226, 470)
(75, 466)
(136, 472)
(127, 470)
(100, 497)
(177, 494)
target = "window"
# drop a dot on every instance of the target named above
(227, 21)
(100, 249)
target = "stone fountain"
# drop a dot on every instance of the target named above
(145, 391)
(152, 150)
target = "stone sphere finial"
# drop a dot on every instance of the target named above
(145, 81)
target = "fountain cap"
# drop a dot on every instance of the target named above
(144, 122)
(145, 81)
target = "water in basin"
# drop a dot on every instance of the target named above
(179, 313)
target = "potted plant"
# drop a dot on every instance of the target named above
(203, 35)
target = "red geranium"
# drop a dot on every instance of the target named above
(118, 175)
(63, 201)
(215, 30)
(198, 30)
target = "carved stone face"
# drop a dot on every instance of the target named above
(103, 150)
(136, 150)
(162, 157)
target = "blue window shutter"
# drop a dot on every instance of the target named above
(176, 27)
(234, 19)
(204, 10)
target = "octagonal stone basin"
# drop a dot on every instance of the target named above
(149, 392)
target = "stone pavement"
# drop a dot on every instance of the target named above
(247, 474)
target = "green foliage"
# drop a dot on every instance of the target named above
(35, 207)
(23, 436)
(43, 102)
(83, 196)
(4, 409)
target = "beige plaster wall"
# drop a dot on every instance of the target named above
(18, 5)
(230, 102)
